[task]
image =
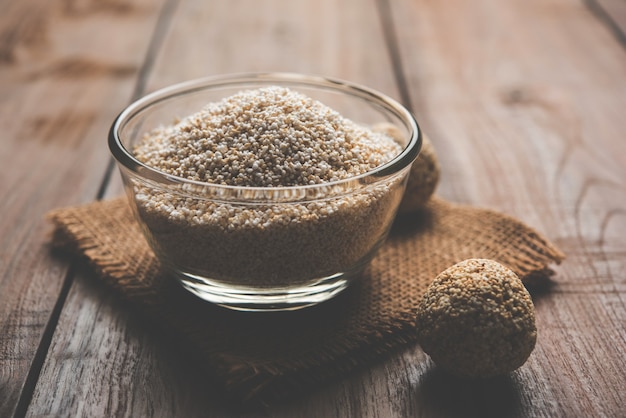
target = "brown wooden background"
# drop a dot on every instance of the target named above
(524, 100)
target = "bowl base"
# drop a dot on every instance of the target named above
(262, 299)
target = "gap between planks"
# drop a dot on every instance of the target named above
(611, 14)
(391, 41)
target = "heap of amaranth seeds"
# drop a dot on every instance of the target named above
(267, 137)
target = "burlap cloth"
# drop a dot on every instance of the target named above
(264, 356)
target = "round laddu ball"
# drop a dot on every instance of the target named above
(477, 320)
(424, 174)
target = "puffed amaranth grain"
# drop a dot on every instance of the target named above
(424, 174)
(477, 320)
(266, 137)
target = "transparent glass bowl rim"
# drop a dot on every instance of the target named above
(395, 165)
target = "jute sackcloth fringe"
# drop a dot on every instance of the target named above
(271, 355)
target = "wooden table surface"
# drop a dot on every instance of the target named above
(524, 100)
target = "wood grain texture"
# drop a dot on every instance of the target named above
(324, 38)
(522, 103)
(96, 357)
(62, 79)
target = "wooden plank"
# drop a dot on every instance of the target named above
(101, 361)
(62, 78)
(108, 359)
(523, 102)
(322, 38)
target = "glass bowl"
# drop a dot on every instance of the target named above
(299, 245)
